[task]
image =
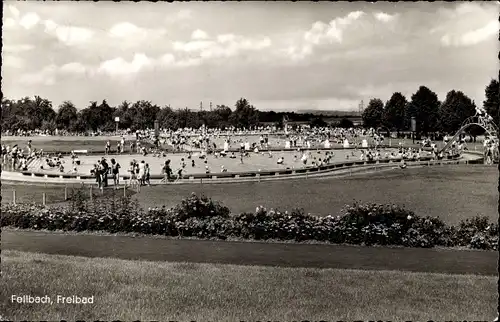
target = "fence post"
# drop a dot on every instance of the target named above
(125, 190)
(91, 193)
(43, 198)
(65, 193)
(14, 196)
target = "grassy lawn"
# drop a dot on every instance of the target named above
(449, 192)
(126, 290)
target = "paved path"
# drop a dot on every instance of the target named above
(253, 253)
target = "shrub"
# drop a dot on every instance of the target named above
(201, 217)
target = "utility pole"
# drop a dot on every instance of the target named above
(361, 108)
(210, 106)
(201, 106)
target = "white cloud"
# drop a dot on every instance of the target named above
(121, 67)
(384, 17)
(192, 46)
(13, 61)
(73, 68)
(199, 35)
(322, 33)
(14, 11)
(46, 76)
(472, 37)
(69, 35)
(9, 23)
(226, 46)
(29, 20)
(166, 60)
(17, 48)
(224, 38)
(124, 29)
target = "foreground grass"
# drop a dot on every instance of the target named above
(126, 290)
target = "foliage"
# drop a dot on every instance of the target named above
(373, 114)
(492, 102)
(345, 123)
(37, 113)
(456, 108)
(424, 106)
(360, 224)
(394, 112)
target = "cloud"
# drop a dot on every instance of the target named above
(129, 32)
(225, 45)
(384, 17)
(69, 35)
(199, 35)
(472, 37)
(17, 48)
(29, 20)
(13, 61)
(120, 67)
(322, 33)
(46, 76)
(192, 46)
(9, 23)
(14, 11)
(73, 68)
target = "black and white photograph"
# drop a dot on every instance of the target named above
(250, 161)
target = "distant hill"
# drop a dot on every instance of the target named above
(330, 113)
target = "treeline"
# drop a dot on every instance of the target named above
(38, 113)
(431, 114)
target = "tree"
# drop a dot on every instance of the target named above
(373, 114)
(317, 122)
(245, 115)
(346, 123)
(492, 93)
(394, 112)
(456, 108)
(424, 106)
(67, 116)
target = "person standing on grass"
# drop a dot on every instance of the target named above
(142, 173)
(167, 171)
(97, 173)
(133, 176)
(147, 174)
(115, 171)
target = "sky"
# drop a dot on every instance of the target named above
(279, 56)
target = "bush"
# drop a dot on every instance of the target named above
(201, 217)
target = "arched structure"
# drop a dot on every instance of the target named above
(480, 119)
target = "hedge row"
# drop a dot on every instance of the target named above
(359, 224)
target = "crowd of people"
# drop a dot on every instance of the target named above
(210, 144)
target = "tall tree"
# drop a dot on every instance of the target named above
(67, 116)
(373, 114)
(394, 112)
(245, 115)
(492, 93)
(424, 106)
(456, 108)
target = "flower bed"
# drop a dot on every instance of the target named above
(359, 224)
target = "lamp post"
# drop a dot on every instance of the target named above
(117, 120)
(413, 127)
(157, 132)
